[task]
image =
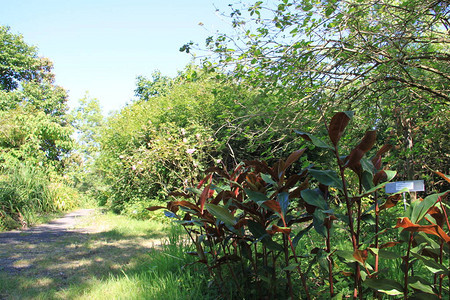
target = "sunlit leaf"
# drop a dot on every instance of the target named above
(387, 286)
(420, 284)
(421, 209)
(430, 229)
(432, 265)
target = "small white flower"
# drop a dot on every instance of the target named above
(133, 167)
(190, 151)
(184, 140)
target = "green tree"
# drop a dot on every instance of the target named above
(386, 60)
(20, 62)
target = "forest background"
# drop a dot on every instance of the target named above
(286, 70)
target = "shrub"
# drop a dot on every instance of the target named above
(251, 227)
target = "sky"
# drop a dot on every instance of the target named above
(101, 46)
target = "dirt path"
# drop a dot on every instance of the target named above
(11, 242)
(86, 245)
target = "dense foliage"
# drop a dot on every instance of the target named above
(314, 225)
(251, 228)
(386, 60)
(35, 136)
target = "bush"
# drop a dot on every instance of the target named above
(252, 227)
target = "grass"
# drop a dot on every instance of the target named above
(120, 259)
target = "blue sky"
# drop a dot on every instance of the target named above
(101, 46)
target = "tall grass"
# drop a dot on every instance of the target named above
(25, 191)
(164, 275)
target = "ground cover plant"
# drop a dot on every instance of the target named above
(252, 226)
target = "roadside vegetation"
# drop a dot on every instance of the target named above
(271, 156)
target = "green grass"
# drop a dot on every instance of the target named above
(121, 259)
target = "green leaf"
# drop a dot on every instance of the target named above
(421, 209)
(291, 267)
(257, 230)
(387, 286)
(221, 213)
(283, 199)
(390, 175)
(301, 234)
(338, 296)
(314, 198)
(346, 255)
(256, 196)
(316, 141)
(318, 220)
(269, 243)
(431, 265)
(420, 284)
(268, 179)
(327, 177)
(423, 296)
(388, 254)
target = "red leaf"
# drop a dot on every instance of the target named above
(202, 182)
(376, 160)
(437, 215)
(275, 229)
(391, 201)
(337, 126)
(430, 229)
(365, 145)
(218, 171)
(291, 181)
(389, 244)
(361, 255)
(153, 208)
(260, 166)
(293, 158)
(379, 177)
(204, 196)
(442, 175)
(273, 205)
(185, 204)
(297, 192)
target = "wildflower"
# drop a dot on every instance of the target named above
(190, 151)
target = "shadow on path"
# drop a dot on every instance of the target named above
(56, 255)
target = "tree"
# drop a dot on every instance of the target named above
(20, 62)
(33, 109)
(386, 60)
